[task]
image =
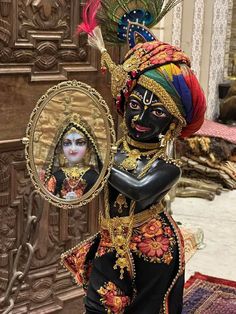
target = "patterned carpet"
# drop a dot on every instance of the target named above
(209, 295)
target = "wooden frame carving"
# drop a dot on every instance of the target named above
(38, 37)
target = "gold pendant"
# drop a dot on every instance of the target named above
(130, 162)
(122, 263)
(121, 202)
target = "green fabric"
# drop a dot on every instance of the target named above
(158, 77)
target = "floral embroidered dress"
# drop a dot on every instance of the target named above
(156, 250)
(68, 187)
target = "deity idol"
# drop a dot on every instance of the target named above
(135, 264)
(73, 169)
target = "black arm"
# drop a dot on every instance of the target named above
(155, 182)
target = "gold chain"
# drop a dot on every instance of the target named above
(133, 155)
(142, 145)
(120, 240)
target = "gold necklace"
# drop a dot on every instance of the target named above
(133, 155)
(75, 172)
(141, 145)
(120, 237)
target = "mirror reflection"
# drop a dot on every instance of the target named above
(73, 169)
(68, 153)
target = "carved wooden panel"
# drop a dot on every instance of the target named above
(37, 45)
(47, 286)
(38, 37)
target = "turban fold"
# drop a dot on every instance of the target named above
(167, 67)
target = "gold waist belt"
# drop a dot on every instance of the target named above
(139, 218)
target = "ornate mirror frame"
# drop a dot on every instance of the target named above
(65, 95)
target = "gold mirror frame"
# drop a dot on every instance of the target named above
(99, 103)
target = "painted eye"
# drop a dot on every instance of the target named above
(159, 113)
(134, 105)
(81, 142)
(66, 143)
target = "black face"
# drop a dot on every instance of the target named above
(145, 116)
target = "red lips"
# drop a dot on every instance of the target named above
(141, 128)
(74, 153)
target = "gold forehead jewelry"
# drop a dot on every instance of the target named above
(74, 130)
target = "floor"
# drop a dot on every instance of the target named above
(217, 218)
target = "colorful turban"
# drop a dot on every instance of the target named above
(165, 70)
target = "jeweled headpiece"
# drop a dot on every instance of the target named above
(157, 66)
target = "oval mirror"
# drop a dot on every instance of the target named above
(69, 142)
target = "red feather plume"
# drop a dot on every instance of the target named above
(89, 17)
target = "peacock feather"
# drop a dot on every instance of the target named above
(115, 17)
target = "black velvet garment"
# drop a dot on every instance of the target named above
(156, 248)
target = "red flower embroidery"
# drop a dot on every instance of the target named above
(152, 228)
(168, 231)
(136, 238)
(105, 243)
(154, 241)
(79, 187)
(154, 247)
(76, 263)
(113, 298)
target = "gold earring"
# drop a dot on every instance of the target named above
(169, 134)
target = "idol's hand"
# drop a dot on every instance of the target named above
(156, 182)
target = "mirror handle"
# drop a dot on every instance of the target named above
(25, 140)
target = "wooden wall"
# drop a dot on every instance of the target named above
(38, 48)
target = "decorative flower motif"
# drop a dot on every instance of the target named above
(133, 246)
(153, 241)
(168, 231)
(75, 261)
(105, 238)
(154, 247)
(113, 298)
(105, 244)
(167, 258)
(152, 228)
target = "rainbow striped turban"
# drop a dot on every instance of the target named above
(165, 70)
